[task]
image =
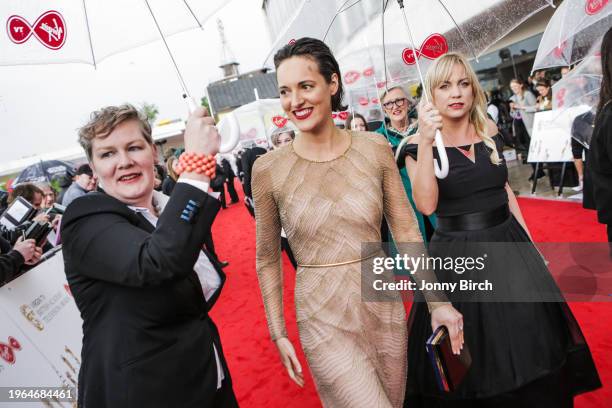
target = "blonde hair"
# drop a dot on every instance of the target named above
(440, 71)
(170, 167)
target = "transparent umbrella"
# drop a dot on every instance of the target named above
(571, 32)
(579, 91)
(254, 122)
(411, 34)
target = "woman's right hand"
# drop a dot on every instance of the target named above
(290, 360)
(430, 120)
(201, 135)
(447, 315)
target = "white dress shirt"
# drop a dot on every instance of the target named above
(207, 274)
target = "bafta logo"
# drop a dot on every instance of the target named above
(29, 314)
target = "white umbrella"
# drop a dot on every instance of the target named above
(571, 32)
(86, 31)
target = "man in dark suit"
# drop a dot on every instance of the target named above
(144, 288)
(248, 160)
(227, 169)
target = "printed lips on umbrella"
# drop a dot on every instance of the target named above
(431, 29)
(364, 101)
(571, 31)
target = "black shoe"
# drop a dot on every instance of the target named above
(531, 177)
(541, 174)
(223, 264)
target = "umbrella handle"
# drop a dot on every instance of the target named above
(442, 169)
(229, 131)
(229, 138)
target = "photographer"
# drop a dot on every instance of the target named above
(12, 259)
(46, 219)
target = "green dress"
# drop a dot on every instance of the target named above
(395, 138)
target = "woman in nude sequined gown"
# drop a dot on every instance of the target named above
(329, 191)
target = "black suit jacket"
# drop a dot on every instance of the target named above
(147, 337)
(11, 262)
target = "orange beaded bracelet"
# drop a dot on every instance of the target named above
(197, 163)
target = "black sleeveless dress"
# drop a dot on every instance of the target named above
(524, 354)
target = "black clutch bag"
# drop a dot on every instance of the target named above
(449, 368)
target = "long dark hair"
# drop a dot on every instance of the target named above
(319, 52)
(605, 92)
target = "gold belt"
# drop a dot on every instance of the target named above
(339, 263)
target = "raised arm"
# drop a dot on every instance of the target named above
(403, 226)
(100, 240)
(421, 171)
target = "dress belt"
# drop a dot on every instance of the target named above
(474, 221)
(339, 263)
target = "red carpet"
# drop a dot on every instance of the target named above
(260, 379)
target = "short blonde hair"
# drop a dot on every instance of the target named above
(441, 71)
(102, 122)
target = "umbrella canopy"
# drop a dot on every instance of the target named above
(254, 122)
(571, 32)
(579, 90)
(69, 31)
(437, 27)
(89, 31)
(44, 171)
(413, 33)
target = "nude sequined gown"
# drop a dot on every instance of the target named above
(356, 350)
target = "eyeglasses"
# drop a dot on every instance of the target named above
(399, 102)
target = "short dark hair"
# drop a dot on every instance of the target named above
(84, 169)
(319, 52)
(25, 190)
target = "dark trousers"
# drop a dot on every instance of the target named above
(221, 191)
(521, 137)
(231, 190)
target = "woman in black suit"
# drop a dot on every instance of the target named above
(143, 286)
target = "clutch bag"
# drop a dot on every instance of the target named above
(449, 368)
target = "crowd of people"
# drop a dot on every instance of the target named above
(141, 263)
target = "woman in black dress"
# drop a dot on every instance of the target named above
(600, 153)
(524, 354)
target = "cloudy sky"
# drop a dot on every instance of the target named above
(42, 106)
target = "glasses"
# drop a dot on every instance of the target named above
(399, 102)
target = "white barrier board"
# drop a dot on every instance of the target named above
(38, 310)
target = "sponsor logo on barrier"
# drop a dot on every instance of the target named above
(7, 351)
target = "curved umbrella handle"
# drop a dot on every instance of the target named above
(442, 169)
(230, 136)
(229, 131)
